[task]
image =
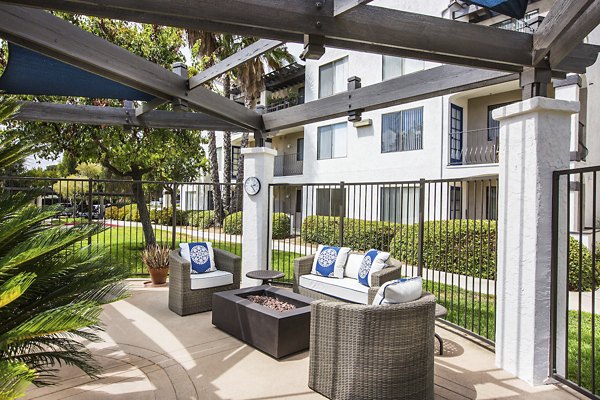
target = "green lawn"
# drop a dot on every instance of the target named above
(586, 350)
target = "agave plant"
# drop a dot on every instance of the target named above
(52, 286)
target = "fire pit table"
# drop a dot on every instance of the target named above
(277, 333)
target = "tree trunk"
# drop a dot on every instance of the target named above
(214, 177)
(140, 201)
(240, 175)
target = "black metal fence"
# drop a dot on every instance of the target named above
(575, 340)
(443, 230)
(178, 212)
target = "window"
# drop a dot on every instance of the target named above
(190, 200)
(491, 195)
(455, 202)
(400, 204)
(331, 141)
(210, 200)
(493, 125)
(298, 200)
(402, 131)
(398, 66)
(300, 149)
(333, 77)
(330, 202)
(456, 134)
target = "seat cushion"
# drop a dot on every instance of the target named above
(211, 279)
(347, 289)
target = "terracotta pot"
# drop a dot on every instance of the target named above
(158, 275)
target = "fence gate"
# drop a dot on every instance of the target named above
(442, 230)
(575, 346)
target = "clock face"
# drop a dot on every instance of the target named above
(252, 185)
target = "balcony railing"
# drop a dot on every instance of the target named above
(281, 104)
(478, 146)
(288, 164)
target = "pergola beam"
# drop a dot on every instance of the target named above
(42, 32)
(568, 22)
(94, 115)
(342, 6)
(421, 85)
(247, 53)
(365, 28)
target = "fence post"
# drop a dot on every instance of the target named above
(174, 216)
(342, 213)
(90, 200)
(421, 225)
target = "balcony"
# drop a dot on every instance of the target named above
(284, 103)
(478, 146)
(289, 164)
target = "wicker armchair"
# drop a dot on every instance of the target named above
(303, 266)
(372, 352)
(183, 300)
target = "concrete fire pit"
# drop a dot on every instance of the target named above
(276, 333)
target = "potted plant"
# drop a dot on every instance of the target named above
(156, 259)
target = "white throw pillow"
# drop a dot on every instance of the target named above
(330, 261)
(373, 261)
(399, 291)
(353, 265)
(200, 255)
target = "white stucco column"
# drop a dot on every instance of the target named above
(258, 162)
(534, 141)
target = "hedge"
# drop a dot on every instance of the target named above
(129, 213)
(465, 247)
(281, 225)
(165, 216)
(232, 224)
(200, 219)
(586, 263)
(111, 212)
(359, 234)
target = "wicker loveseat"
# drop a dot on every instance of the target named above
(185, 300)
(303, 266)
(372, 352)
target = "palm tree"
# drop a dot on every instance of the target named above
(52, 286)
(213, 47)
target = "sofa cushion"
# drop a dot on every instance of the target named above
(330, 261)
(353, 265)
(347, 289)
(373, 261)
(211, 279)
(400, 290)
(200, 255)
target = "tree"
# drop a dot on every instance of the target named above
(76, 187)
(211, 47)
(51, 292)
(130, 153)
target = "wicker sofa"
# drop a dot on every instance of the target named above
(372, 352)
(185, 300)
(303, 266)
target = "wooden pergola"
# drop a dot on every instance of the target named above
(476, 55)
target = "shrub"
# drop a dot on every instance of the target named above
(129, 213)
(281, 225)
(200, 219)
(111, 212)
(359, 235)
(232, 224)
(586, 266)
(165, 216)
(465, 247)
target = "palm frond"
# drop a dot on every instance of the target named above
(13, 288)
(14, 378)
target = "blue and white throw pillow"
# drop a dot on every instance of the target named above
(200, 255)
(400, 290)
(330, 261)
(373, 261)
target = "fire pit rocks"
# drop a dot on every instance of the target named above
(280, 327)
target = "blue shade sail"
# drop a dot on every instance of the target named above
(512, 8)
(29, 72)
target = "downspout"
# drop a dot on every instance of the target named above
(442, 141)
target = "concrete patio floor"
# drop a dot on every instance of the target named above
(152, 353)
